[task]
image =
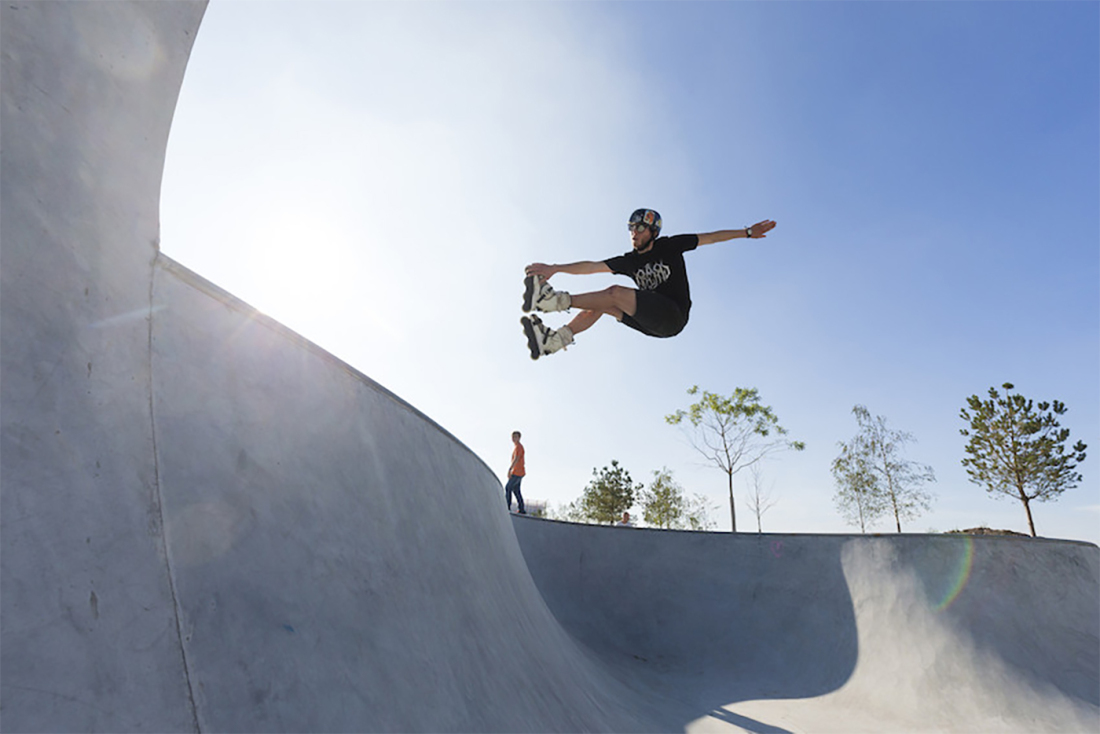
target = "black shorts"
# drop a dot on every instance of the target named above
(656, 315)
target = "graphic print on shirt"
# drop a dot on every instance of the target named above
(652, 275)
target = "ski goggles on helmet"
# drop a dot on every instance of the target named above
(645, 218)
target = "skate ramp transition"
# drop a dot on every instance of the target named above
(210, 524)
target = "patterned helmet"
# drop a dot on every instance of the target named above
(649, 218)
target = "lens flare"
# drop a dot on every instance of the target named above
(962, 574)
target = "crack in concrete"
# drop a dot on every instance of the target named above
(160, 507)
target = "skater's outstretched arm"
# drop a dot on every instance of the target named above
(584, 267)
(759, 230)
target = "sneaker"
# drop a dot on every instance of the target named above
(538, 295)
(541, 340)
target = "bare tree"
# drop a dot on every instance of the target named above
(760, 499)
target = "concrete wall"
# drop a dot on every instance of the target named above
(209, 523)
(89, 628)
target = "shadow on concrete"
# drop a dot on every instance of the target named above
(704, 619)
(746, 723)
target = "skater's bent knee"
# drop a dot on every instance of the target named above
(623, 298)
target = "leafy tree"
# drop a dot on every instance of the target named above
(697, 513)
(760, 499)
(876, 465)
(734, 432)
(571, 512)
(663, 501)
(1018, 451)
(858, 497)
(609, 494)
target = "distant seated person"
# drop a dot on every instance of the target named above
(625, 522)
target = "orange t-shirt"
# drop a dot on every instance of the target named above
(517, 461)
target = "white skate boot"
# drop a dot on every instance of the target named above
(542, 340)
(538, 295)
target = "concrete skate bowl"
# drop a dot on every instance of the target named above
(207, 523)
(833, 632)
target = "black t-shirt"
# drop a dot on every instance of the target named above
(661, 269)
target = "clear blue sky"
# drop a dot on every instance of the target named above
(376, 175)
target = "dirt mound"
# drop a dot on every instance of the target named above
(988, 531)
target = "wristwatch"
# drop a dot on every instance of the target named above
(748, 231)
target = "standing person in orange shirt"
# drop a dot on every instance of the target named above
(516, 473)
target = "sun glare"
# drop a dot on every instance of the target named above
(300, 267)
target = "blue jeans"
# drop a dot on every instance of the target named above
(512, 487)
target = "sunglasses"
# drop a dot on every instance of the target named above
(637, 227)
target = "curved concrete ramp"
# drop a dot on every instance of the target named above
(341, 562)
(209, 524)
(834, 633)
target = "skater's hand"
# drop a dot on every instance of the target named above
(761, 229)
(542, 270)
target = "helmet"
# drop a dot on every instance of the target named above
(648, 217)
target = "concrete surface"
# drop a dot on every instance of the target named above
(209, 524)
(88, 623)
(833, 632)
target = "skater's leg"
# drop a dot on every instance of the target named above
(583, 321)
(615, 301)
